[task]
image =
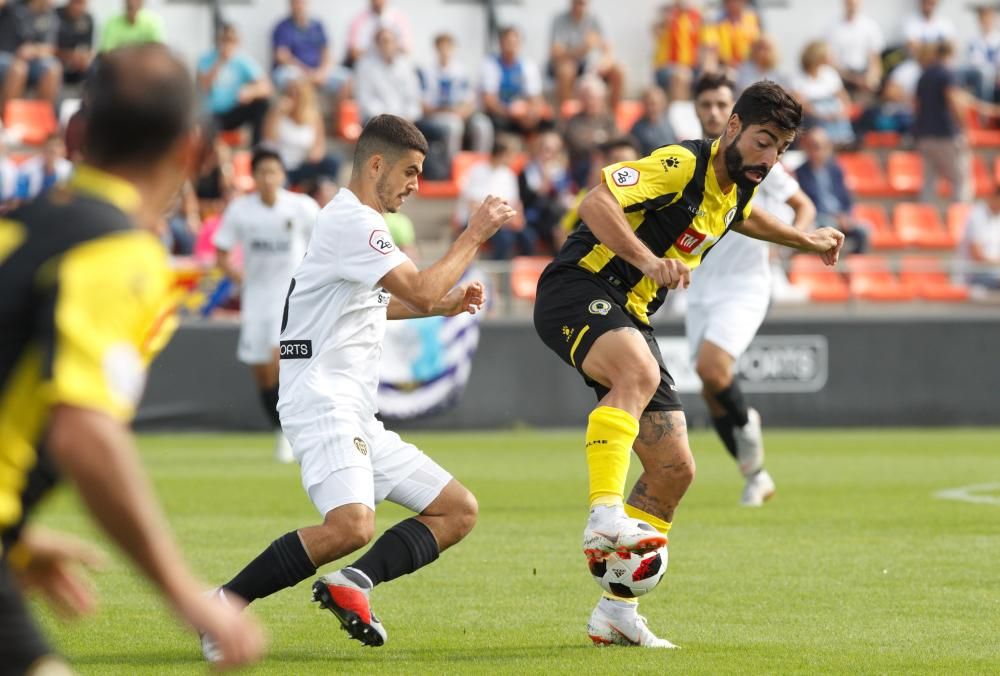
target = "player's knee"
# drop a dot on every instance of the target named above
(352, 531)
(466, 514)
(714, 376)
(645, 379)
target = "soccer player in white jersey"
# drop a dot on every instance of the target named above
(728, 299)
(351, 281)
(272, 227)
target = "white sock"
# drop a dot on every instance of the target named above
(601, 513)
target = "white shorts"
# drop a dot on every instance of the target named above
(258, 340)
(730, 322)
(346, 460)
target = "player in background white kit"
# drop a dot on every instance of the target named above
(272, 226)
(351, 281)
(728, 299)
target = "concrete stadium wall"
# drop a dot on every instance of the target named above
(798, 373)
(628, 23)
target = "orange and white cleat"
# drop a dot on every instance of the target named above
(349, 602)
(610, 530)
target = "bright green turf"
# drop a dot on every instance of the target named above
(854, 567)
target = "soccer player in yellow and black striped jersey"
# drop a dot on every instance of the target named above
(86, 304)
(644, 228)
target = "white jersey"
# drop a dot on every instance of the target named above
(335, 316)
(739, 264)
(274, 240)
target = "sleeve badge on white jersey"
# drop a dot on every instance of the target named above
(626, 176)
(381, 241)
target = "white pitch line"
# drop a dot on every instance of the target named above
(968, 494)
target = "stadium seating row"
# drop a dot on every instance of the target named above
(914, 225)
(904, 175)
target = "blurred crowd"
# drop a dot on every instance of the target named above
(542, 127)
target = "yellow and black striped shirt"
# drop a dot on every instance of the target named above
(674, 204)
(85, 303)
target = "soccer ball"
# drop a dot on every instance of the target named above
(630, 575)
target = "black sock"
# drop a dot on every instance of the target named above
(732, 400)
(402, 549)
(269, 400)
(283, 564)
(724, 426)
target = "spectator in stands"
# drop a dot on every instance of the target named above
(41, 173)
(387, 82)
(856, 44)
(822, 179)
(495, 177)
(589, 128)
(182, 222)
(927, 27)
(577, 46)
(512, 86)
(680, 110)
(980, 72)
(135, 25)
(939, 128)
(364, 26)
(821, 92)
(300, 49)
(980, 245)
(762, 64)
(678, 40)
(403, 234)
(294, 127)
(653, 129)
(28, 39)
(450, 100)
(896, 105)
(235, 87)
(727, 41)
(8, 179)
(76, 40)
(214, 183)
(545, 187)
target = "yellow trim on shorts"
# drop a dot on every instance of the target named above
(576, 344)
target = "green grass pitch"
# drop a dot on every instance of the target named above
(854, 567)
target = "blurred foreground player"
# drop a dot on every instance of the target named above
(85, 307)
(272, 228)
(351, 281)
(644, 227)
(728, 300)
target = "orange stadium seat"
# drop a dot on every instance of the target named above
(882, 139)
(569, 108)
(982, 180)
(929, 280)
(460, 165)
(920, 225)
(863, 174)
(627, 113)
(872, 279)
(882, 234)
(31, 121)
(825, 283)
(979, 136)
(905, 172)
(242, 175)
(958, 214)
(348, 120)
(524, 274)
(234, 138)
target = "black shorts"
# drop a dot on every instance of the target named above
(573, 308)
(21, 642)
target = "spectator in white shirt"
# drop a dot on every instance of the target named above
(821, 92)
(980, 245)
(927, 27)
(982, 59)
(856, 44)
(41, 173)
(495, 177)
(450, 100)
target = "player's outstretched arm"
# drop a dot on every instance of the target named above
(762, 225)
(96, 451)
(422, 291)
(468, 297)
(604, 216)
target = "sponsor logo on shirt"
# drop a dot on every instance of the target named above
(669, 163)
(383, 297)
(381, 242)
(689, 240)
(625, 177)
(730, 215)
(295, 349)
(269, 246)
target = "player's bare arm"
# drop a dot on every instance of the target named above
(422, 291)
(805, 211)
(605, 218)
(97, 453)
(466, 297)
(824, 241)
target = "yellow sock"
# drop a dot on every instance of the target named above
(654, 521)
(610, 434)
